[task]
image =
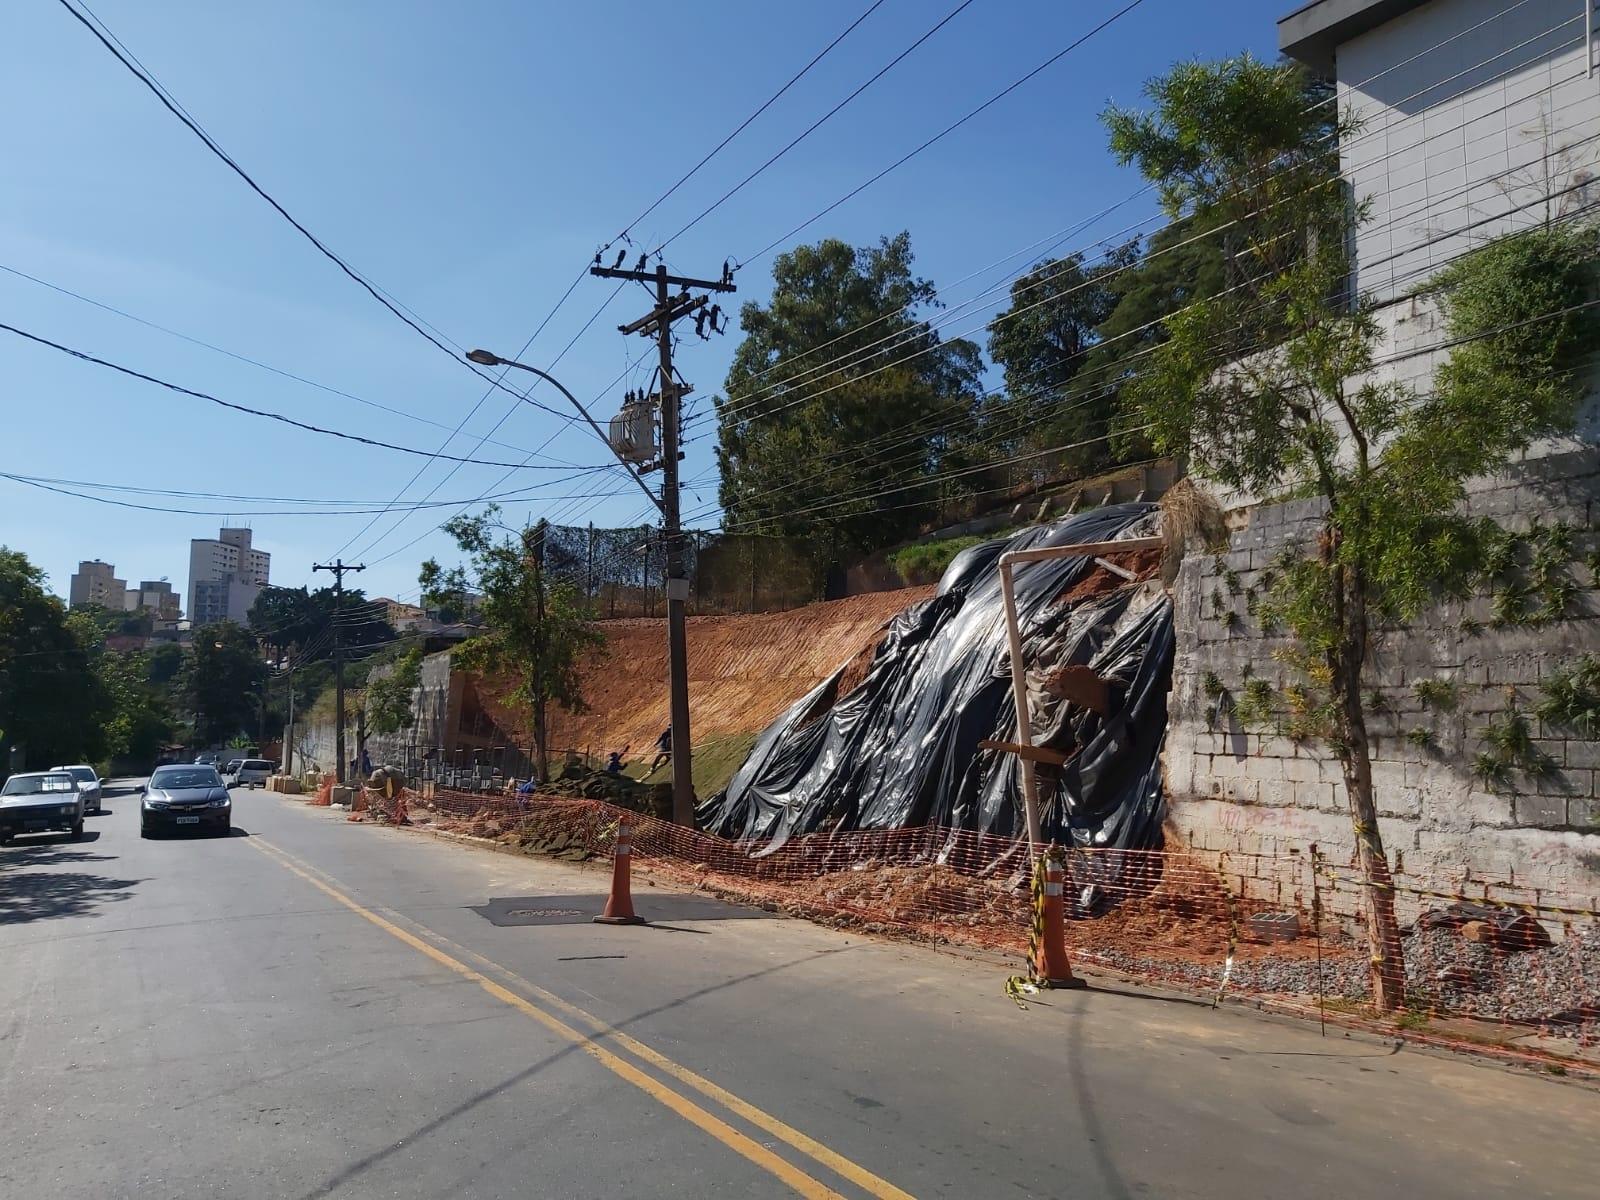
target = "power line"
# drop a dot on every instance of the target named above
(818, 123)
(235, 512)
(948, 129)
(748, 400)
(743, 125)
(269, 415)
(244, 358)
(1351, 142)
(114, 47)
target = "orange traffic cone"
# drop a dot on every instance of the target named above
(1050, 964)
(619, 905)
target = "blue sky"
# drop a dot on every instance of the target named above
(469, 158)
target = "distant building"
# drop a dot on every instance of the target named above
(154, 596)
(225, 576)
(96, 582)
(400, 616)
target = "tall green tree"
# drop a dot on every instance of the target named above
(52, 703)
(223, 682)
(537, 628)
(842, 401)
(1043, 342)
(1270, 389)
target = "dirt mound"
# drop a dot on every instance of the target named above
(743, 672)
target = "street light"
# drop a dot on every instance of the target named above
(486, 358)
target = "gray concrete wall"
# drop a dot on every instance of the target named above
(1246, 791)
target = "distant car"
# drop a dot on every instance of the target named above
(88, 784)
(207, 758)
(252, 772)
(40, 802)
(186, 796)
(226, 767)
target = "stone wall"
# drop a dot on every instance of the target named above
(1246, 791)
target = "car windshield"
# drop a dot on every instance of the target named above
(257, 764)
(33, 785)
(82, 774)
(185, 777)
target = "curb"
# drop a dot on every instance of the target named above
(1577, 1071)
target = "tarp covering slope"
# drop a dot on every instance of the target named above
(901, 748)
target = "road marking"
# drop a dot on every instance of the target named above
(802, 1183)
(872, 1184)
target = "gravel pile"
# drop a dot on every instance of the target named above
(1556, 988)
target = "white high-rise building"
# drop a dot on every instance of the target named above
(225, 576)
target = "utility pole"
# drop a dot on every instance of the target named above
(533, 547)
(338, 567)
(288, 729)
(669, 308)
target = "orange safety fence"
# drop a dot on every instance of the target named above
(323, 796)
(1280, 927)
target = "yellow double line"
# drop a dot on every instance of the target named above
(802, 1183)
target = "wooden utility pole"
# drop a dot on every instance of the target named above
(338, 567)
(533, 547)
(658, 322)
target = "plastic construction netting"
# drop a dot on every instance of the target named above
(901, 747)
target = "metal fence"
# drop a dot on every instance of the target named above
(622, 572)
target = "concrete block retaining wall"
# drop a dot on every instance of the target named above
(1249, 791)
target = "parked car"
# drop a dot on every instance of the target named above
(229, 766)
(252, 772)
(40, 802)
(207, 758)
(88, 784)
(189, 796)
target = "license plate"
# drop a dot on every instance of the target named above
(187, 820)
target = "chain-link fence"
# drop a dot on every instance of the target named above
(1285, 930)
(622, 572)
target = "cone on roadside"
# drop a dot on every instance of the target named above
(619, 905)
(1051, 966)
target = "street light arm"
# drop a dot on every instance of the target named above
(485, 358)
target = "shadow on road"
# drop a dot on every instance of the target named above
(41, 893)
(27, 841)
(408, 1140)
(195, 835)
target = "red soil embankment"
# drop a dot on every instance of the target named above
(743, 670)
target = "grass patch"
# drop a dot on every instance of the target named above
(715, 761)
(924, 562)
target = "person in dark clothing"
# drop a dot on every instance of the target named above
(615, 761)
(664, 746)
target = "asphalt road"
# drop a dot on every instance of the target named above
(314, 1008)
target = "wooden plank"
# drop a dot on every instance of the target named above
(1040, 553)
(1035, 753)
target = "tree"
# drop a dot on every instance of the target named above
(1043, 342)
(385, 704)
(52, 705)
(842, 402)
(223, 681)
(295, 617)
(536, 628)
(1308, 415)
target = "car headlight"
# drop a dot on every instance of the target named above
(68, 809)
(155, 803)
(223, 803)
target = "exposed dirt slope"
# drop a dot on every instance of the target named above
(743, 671)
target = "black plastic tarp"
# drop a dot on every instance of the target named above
(901, 748)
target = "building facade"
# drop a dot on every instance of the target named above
(226, 574)
(96, 582)
(155, 596)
